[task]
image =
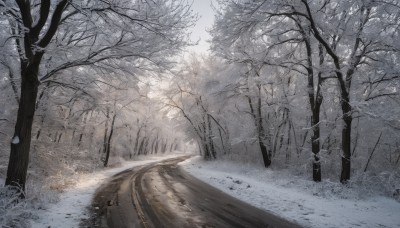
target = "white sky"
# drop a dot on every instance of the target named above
(206, 14)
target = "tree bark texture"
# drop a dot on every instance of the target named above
(20, 145)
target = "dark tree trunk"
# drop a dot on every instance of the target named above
(20, 145)
(164, 147)
(130, 143)
(346, 132)
(315, 143)
(210, 138)
(30, 61)
(108, 151)
(222, 141)
(315, 98)
(141, 146)
(278, 133)
(59, 137)
(135, 150)
(266, 153)
(263, 148)
(145, 147)
(152, 150)
(207, 154)
(85, 118)
(288, 144)
(346, 147)
(105, 131)
(156, 147)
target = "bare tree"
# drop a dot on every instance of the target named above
(348, 48)
(51, 37)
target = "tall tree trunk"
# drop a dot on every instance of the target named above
(266, 153)
(315, 143)
(164, 147)
(315, 119)
(30, 61)
(154, 146)
(263, 148)
(315, 98)
(210, 138)
(20, 145)
(222, 141)
(346, 142)
(108, 151)
(135, 150)
(140, 151)
(85, 118)
(105, 131)
(278, 133)
(288, 144)
(207, 154)
(145, 147)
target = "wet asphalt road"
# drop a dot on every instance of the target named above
(163, 195)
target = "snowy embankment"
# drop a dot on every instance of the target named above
(325, 204)
(71, 209)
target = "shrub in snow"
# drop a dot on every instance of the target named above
(362, 185)
(14, 212)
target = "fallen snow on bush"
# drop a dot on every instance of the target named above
(71, 209)
(13, 211)
(326, 204)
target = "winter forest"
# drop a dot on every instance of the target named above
(310, 89)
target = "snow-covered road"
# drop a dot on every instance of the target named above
(163, 195)
(72, 207)
(300, 201)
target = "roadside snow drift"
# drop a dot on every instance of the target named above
(309, 204)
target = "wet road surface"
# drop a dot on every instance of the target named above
(163, 195)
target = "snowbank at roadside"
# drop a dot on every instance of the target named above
(71, 209)
(326, 204)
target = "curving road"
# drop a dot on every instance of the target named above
(163, 195)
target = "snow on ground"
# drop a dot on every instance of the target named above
(295, 199)
(71, 208)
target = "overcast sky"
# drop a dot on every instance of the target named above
(203, 8)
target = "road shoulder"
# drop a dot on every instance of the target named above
(303, 204)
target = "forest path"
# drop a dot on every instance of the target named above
(163, 195)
